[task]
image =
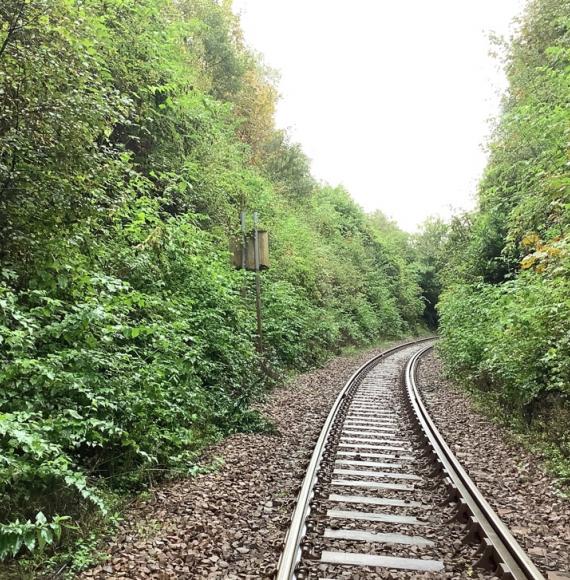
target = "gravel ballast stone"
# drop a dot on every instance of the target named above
(513, 480)
(441, 548)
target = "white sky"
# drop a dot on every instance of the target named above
(391, 98)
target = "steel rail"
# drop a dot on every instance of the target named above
(291, 555)
(499, 545)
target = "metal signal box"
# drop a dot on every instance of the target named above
(243, 253)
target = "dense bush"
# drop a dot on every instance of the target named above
(511, 338)
(132, 133)
(505, 309)
(120, 379)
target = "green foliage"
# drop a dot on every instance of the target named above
(31, 535)
(511, 337)
(131, 134)
(505, 310)
(431, 246)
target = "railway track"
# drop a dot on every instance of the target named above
(384, 496)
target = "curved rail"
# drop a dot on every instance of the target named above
(499, 546)
(499, 550)
(291, 554)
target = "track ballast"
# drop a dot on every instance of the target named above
(384, 497)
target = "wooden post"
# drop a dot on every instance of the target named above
(257, 284)
(243, 239)
(243, 256)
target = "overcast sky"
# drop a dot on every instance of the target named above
(391, 98)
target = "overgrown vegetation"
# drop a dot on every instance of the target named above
(505, 308)
(132, 132)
